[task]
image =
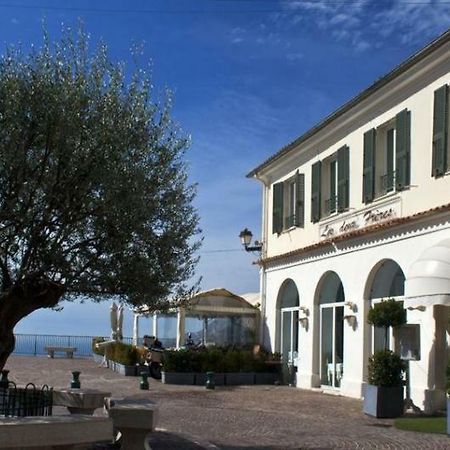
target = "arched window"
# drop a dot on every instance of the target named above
(388, 282)
(331, 298)
(287, 308)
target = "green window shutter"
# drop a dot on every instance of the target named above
(277, 210)
(440, 131)
(390, 160)
(315, 191)
(369, 166)
(332, 201)
(343, 170)
(300, 200)
(403, 149)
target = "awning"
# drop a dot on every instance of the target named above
(428, 279)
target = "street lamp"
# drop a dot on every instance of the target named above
(246, 238)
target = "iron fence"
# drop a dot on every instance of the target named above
(27, 401)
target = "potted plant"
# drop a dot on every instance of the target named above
(383, 396)
(125, 358)
(179, 367)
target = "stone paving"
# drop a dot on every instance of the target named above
(234, 418)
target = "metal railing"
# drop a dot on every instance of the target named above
(387, 182)
(331, 205)
(24, 402)
(34, 344)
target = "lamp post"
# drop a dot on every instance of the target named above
(246, 238)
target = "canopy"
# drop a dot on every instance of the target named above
(428, 280)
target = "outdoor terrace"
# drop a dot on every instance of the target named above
(231, 418)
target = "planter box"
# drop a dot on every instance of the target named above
(128, 371)
(237, 378)
(448, 415)
(383, 402)
(200, 379)
(97, 358)
(266, 377)
(178, 377)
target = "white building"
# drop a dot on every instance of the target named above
(357, 210)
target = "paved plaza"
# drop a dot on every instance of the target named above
(232, 418)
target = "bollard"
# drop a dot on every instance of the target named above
(75, 383)
(143, 385)
(210, 384)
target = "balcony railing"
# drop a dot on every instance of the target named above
(289, 221)
(387, 182)
(331, 205)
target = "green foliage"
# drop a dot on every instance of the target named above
(387, 313)
(98, 350)
(94, 194)
(422, 424)
(122, 353)
(218, 359)
(386, 369)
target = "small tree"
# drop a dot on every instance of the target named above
(387, 313)
(94, 198)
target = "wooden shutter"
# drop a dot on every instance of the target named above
(277, 210)
(369, 166)
(332, 200)
(390, 160)
(315, 191)
(343, 170)
(300, 200)
(402, 149)
(440, 131)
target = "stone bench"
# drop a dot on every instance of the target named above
(54, 432)
(80, 401)
(69, 351)
(135, 419)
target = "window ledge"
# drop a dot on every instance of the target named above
(389, 195)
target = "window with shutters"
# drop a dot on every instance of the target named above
(335, 182)
(386, 160)
(289, 203)
(441, 148)
(329, 186)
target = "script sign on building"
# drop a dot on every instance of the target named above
(360, 220)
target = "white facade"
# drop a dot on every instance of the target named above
(321, 271)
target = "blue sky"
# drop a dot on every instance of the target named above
(248, 77)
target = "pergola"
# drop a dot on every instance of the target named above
(208, 305)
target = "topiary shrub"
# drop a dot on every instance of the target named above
(125, 354)
(95, 349)
(387, 313)
(386, 369)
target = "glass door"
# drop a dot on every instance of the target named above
(289, 335)
(331, 344)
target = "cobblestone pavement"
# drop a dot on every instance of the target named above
(245, 417)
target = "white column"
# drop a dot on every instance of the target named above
(155, 324)
(135, 329)
(181, 327)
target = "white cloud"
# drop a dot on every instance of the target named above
(364, 24)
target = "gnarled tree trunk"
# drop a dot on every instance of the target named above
(21, 299)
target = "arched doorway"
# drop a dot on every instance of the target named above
(388, 281)
(331, 303)
(288, 307)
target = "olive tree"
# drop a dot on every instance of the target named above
(94, 196)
